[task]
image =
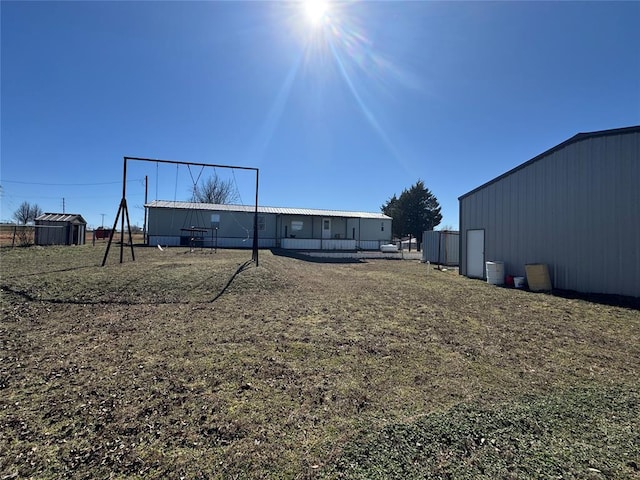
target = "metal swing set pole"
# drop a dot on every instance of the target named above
(255, 224)
(124, 211)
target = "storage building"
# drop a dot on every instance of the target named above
(60, 229)
(574, 208)
(441, 247)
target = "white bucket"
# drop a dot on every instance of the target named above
(518, 282)
(495, 273)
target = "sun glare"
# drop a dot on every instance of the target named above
(315, 10)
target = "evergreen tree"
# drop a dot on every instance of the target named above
(416, 210)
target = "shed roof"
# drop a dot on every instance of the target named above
(576, 138)
(61, 217)
(262, 209)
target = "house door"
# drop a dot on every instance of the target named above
(475, 253)
(326, 228)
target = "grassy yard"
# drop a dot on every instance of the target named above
(201, 365)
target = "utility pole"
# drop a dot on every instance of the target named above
(102, 219)
(63, 210)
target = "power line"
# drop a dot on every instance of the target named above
(69, 184)
(72, 197)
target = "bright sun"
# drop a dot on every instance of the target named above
(315, 10)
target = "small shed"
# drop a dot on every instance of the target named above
(441, 247)
(60, 229)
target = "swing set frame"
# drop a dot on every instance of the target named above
(123, 210)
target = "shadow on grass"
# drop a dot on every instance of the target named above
(610, 300)
(240, 269)
(601, 298)
(68, 301)
(310, 258)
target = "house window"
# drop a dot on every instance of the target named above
(215, 220)
(382, 226)
(261, 223)
(296, 225)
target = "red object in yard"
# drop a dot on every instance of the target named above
(509, 281)
(102, 232)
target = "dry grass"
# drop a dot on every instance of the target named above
(201, 366)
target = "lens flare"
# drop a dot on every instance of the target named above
(337, 45)
(315, 10)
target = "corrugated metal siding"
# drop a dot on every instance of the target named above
(59, 232)
(61, 217)
(371, 244)
(576, 209)
(317, 244)
(441, 247)
(301, 243)
(53, 233)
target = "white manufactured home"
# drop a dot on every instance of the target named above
(231, 226)
(574, 208)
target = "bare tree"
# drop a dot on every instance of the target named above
(215, 190)
(26, 213)
(36, 211)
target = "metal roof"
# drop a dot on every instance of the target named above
(261, 209)
(60, 217)
(576, 138)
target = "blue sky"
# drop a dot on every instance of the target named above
(340, 113)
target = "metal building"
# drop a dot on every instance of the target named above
(574, 208)
(60, 229)
(178, 223)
